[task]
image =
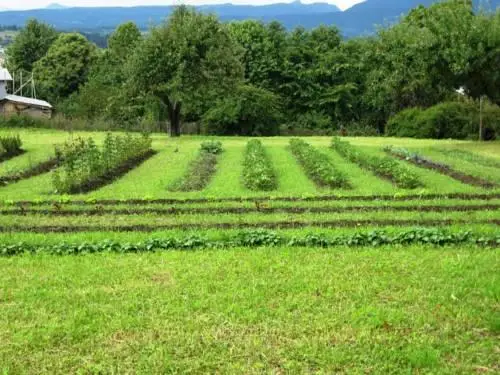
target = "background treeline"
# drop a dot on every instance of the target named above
(194, 74)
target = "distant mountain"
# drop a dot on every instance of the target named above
(55, 6)
(109, 17)
(357, 20)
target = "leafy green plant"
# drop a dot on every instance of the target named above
(258, 172)
(84, 165)
(317, 166)
(201, 169)
(414, 157)
(383, 166)
(212, 147)
(10, 145)
(259, 238)
(417, 159)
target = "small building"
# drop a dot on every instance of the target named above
(11, 105)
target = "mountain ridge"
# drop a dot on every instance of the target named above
(360, 19)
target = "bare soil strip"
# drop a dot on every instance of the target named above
(101, 211)
(264, 225)
(11, 156)
(36, 170)
(324, 198)
(448, 171)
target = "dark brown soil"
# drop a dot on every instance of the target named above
(448, 171)
(368, 198)
(11, 156)
(101, 211)
(266, 225)
(36, 170)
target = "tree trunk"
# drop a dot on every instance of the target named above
(174, 116)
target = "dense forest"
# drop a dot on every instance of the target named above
(195, 74)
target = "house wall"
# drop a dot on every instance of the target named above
(11, 109)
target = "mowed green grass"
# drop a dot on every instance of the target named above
(281, 310)
(393, 309)
(151, 179)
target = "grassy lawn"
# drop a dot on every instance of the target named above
(151, 179)
(235, 307)
(277, 310)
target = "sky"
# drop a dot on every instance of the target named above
(33, 4)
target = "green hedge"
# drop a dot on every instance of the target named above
(458, 120)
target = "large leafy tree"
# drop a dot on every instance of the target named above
(65, 66)
(123, 40)
(104, 94)
(189, 61)
(30, 45)
(482, 76)
(263, 51)
(422, 60)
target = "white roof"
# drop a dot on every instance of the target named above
(5, 75)
(29, 101)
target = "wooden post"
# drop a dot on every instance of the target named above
(480, 119)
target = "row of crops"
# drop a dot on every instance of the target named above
(80, 165)
(76, 227)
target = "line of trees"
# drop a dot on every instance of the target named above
(251, 78)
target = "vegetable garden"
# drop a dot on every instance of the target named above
(213, 203)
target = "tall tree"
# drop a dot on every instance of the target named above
(124, 40)
(30, 45)
(263, 51)
(65, 66)
(189, 61)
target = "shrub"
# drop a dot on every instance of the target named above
(447, 120)
(383, 166)
(404, 123)
(459, 120)
(258, 172)
(317, 165)
(83, 164)
(201, 169)
(212, 147)
(308, 123)
(250, 111)
(358, 129)
(10, 145)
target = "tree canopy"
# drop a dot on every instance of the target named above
(189, 61)
(193, 66)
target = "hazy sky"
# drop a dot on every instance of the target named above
(32, 4)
